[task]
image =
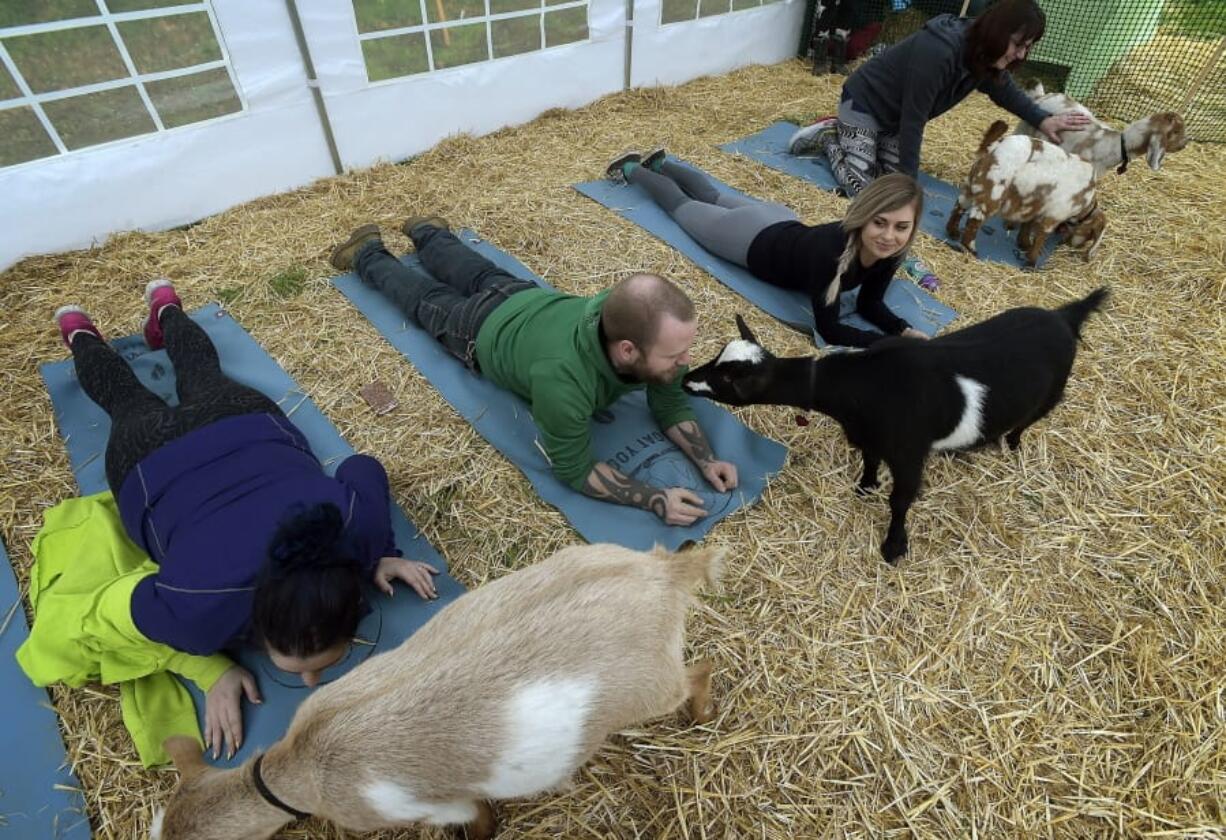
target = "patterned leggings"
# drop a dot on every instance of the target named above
(859, 151)
(140, 421)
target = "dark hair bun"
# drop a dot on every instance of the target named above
(309, 538)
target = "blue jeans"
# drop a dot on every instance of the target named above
(451, 298)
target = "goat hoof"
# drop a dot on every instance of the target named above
(892, 552)
(484, 827)
(704, 715)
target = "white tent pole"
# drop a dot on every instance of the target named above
(313, 83)
(629, 42)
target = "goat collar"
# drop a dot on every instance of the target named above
(268, 795)
(1089, 212)
(1123, 156)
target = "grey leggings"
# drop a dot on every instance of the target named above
(723, 223)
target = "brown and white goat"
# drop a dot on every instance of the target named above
(1104, 147)
(1031, 183)
(504, 694)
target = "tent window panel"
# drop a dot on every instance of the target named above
(566, 26)
(66, 58)
(189, 99)
(707, 8)
(675, 10)
(99, 117)
(141, 5)
(8, 87)
(498, 7)
(27, 12)
(399, 55)
(458, 45)
(516, 35)
(454, 11)
(737, 5)
(168, 43)
(22, 137)
(377, 15)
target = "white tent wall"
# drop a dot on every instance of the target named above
(174, 177)
(672, 53)
(278, 141)
(394, 119)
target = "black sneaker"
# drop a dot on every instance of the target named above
(615, 171)
(654, 159)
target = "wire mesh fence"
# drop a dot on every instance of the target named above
(1124, 59)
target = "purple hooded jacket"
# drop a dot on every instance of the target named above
(205, 507)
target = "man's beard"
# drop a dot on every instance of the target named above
(640, 373)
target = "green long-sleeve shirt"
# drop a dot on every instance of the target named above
(546, 347)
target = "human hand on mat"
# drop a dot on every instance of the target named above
(1053, 125)
(415, 573)
(223, 710)
(682, 507)
(720, 474)
(912, 332)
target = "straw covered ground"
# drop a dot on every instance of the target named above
(1048, 660)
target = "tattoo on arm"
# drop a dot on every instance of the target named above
(689, 437)
(606, 483)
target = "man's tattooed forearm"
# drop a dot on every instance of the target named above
(606, 483)
(694, 442)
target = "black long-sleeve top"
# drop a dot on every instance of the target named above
(794, 255)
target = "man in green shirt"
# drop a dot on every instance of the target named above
(567, 356)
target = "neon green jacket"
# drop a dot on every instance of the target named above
(85, 569)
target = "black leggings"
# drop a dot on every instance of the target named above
(140, 421)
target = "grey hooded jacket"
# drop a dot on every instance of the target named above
(924, 76)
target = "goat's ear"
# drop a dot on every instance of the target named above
(1157, 149)
(187, 755)
(744, 330)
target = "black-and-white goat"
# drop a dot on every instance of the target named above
(905, 397)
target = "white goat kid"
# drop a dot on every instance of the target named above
(1107, 148)
(505, 693)
(1032, 183)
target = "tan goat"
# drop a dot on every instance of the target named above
(504, 694)
(1107, 148)
(1032, 183)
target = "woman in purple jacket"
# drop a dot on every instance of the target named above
(255, 544)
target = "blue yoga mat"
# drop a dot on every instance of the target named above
(793, 308)
(85, 426)
(39, 795)
(625, 435)
(770, 146)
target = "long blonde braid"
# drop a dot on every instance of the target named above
(849, 254)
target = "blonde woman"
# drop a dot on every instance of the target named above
(861, 252)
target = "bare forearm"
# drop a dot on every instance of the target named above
(689, 437)
(610, 485)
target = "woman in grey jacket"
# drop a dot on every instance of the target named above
(887, 102)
